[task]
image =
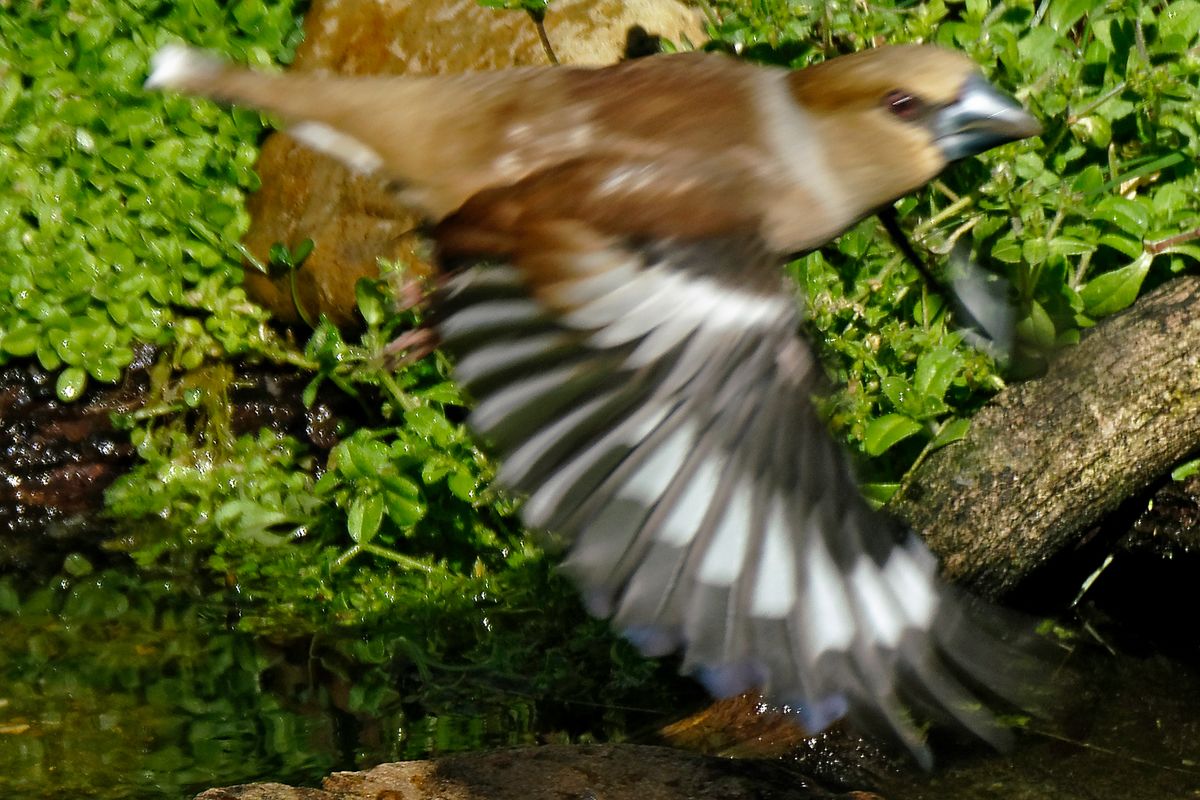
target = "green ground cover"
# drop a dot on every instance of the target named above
(391, 556)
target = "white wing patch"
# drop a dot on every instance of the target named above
(774, 594)
(880, 619)
(681, 525)
(829, 621)
(664, 425)
(912, 584)
(724, 558)
(488, 317)
(546, 500)
(355, 154)
(651, 479)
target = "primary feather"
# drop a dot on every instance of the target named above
(637, 360)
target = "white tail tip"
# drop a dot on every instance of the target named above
(175, 65)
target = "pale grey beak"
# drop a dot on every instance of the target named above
(981, 118)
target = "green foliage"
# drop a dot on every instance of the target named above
(404, 491)
(1079, 220)
(390, 557)
(1186, 470)
(287, 262)
(397, 555)
(121, 208)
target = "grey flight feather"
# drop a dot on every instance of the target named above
(676, 446)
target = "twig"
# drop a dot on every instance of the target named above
(1156, 247)
(1139, 38)
(949, 211)
(1041, 12)
(539, 22)
(1114, 753)
(1099, 101)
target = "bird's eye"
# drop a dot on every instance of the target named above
(904, 105)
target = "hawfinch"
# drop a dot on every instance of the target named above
(635, 351)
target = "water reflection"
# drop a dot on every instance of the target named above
(111, 690)
(107, 694)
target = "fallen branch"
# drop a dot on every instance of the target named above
(1047, 459)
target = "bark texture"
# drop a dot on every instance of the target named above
(1047, 459)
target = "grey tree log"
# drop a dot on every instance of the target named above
(1047, 459)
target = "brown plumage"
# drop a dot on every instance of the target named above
(636, 356)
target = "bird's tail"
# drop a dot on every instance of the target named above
(191, 71)
(318, 106)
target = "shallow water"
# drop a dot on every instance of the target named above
(120, 700)
(109, 696)
(1130, 731)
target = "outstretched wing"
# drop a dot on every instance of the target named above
(651, 396)
(636, 359)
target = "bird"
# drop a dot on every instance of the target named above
(616, 307)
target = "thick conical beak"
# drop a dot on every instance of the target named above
(981, 118)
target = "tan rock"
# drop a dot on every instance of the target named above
(595, 32)
(354, 220)
(616, 772)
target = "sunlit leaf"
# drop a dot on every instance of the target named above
(953, 431)
(886, 431)
(1128, 215)
(1112, 291)
(1186, 470)
(936, 370)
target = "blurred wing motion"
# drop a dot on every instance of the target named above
(658, 414)
(983, 298)
(635, 351)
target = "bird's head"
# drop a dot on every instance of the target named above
(913, 108)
